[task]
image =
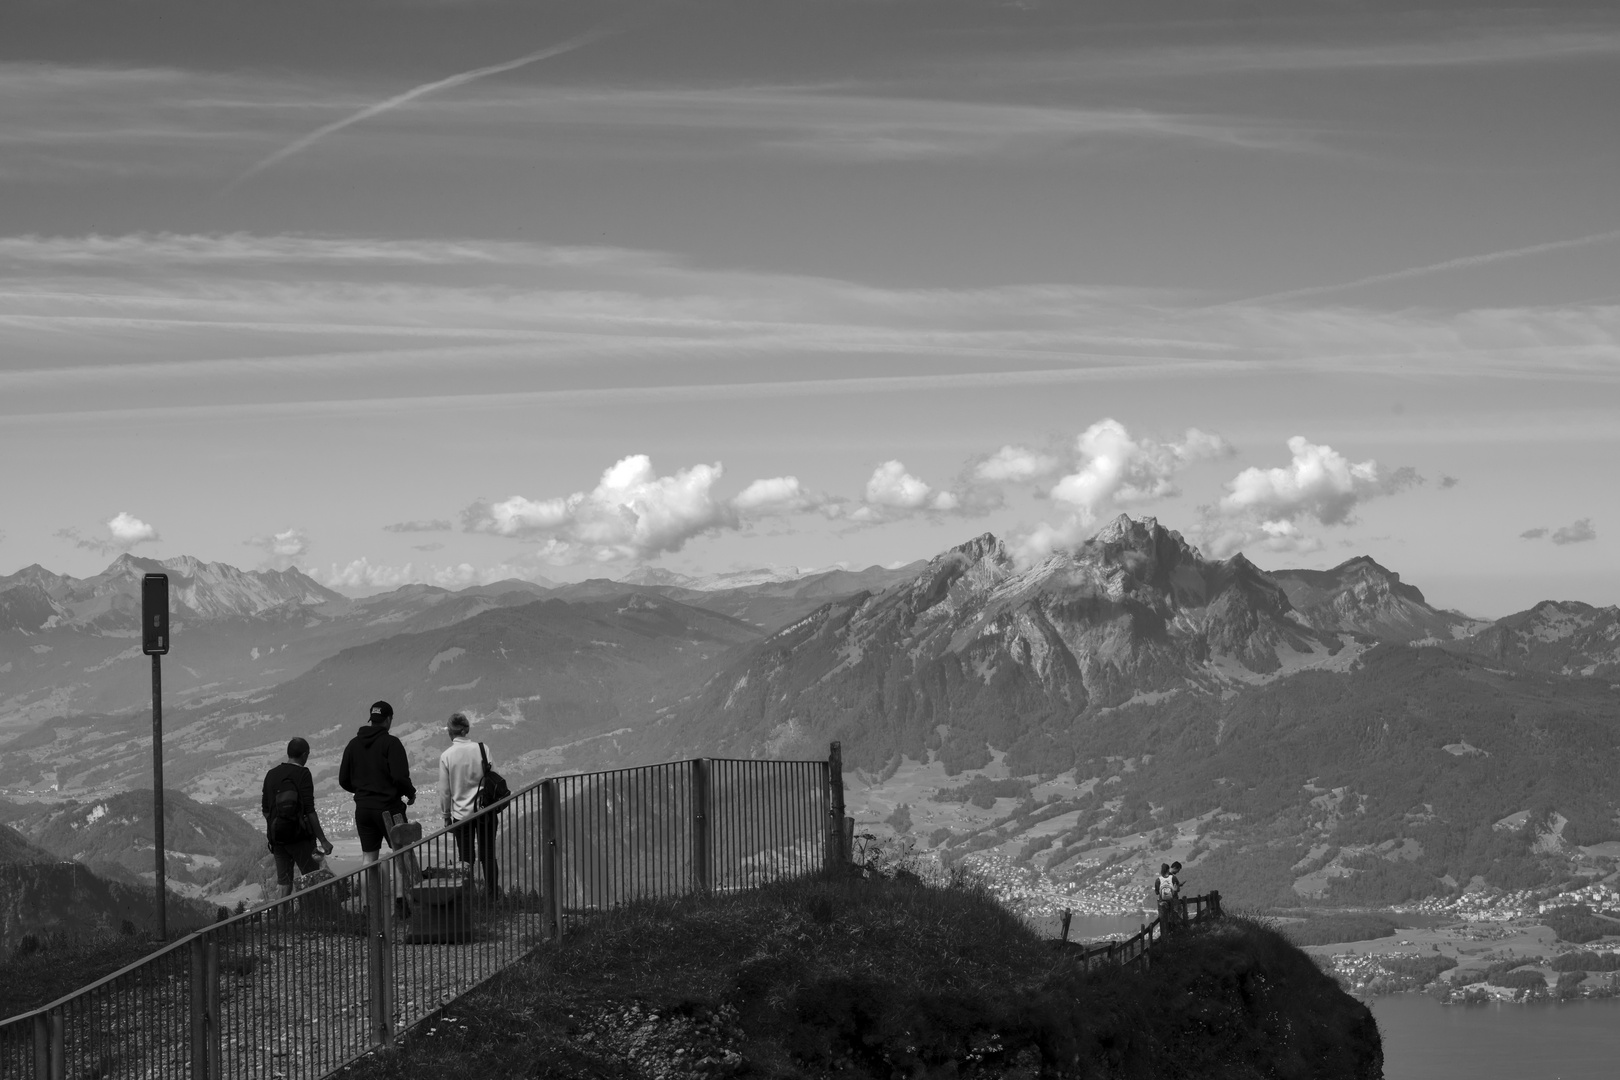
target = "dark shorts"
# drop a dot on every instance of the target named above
(371, 823)
(301, 852)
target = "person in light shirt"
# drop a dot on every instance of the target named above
(461, 771)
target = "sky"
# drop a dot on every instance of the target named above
(458, 290)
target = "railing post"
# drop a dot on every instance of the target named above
(381, 956)
(199, 1010)
(1067, 915)
(211, 1019)
(42, 1047)
(550, 859)
(840, 850)
(58, 1063)
(702, 829)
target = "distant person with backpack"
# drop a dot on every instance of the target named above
(291, 825)
(467, 784)
(375, 771)
(1166, 886)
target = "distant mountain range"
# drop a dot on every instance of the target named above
(1136, 683)
(71, 646)
(206, 848)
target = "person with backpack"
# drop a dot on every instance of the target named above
(291, 826)
(1166, 886)
(376, 772)
(467, 784)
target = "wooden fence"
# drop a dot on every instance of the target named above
(1134, 950)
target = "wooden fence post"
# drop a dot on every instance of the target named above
(702, 834)
(1067, 915)
(1215, 903)
(838, 851)
(381, 955)
(551, 858)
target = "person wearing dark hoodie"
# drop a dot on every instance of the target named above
(374, 770)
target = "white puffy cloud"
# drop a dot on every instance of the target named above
(890, 485)
(123, 532)
(127, 530)
(287, 544)
(1268, 506)
(1114, 471)
(1015, 465)
(891, 494)
(1319, 482)
(362, 574)
(776, 495)
(1118, 470)
(632, 513)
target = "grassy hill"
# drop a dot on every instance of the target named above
(882, 978)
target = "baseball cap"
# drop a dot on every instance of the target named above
(381, 710)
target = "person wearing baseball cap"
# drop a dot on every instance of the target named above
(375, 771)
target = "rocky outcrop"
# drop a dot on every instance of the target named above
(978, 649)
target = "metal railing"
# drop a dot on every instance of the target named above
(306, 984)
(1134, 950)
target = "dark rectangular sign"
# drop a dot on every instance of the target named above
(155, 614)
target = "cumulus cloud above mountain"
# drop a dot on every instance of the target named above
(1319, 484)
(634, 513)
(124, 531)
(1114, 470)
(1118, 471)
(282, 548)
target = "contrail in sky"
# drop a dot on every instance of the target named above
(303, 143)
(1432, 268)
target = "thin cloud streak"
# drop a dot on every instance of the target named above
(1512, 45)
(741, 391)
(1464, 263)
(451, 82)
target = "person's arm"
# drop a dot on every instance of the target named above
(346, 770)
(399, 770)
(312, 818)
(264, 808)
(445, 802)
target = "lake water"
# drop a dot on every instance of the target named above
(1424, 1040)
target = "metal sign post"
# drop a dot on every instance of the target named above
(154, 643)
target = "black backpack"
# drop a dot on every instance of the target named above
(492, 788)
(286, 819)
